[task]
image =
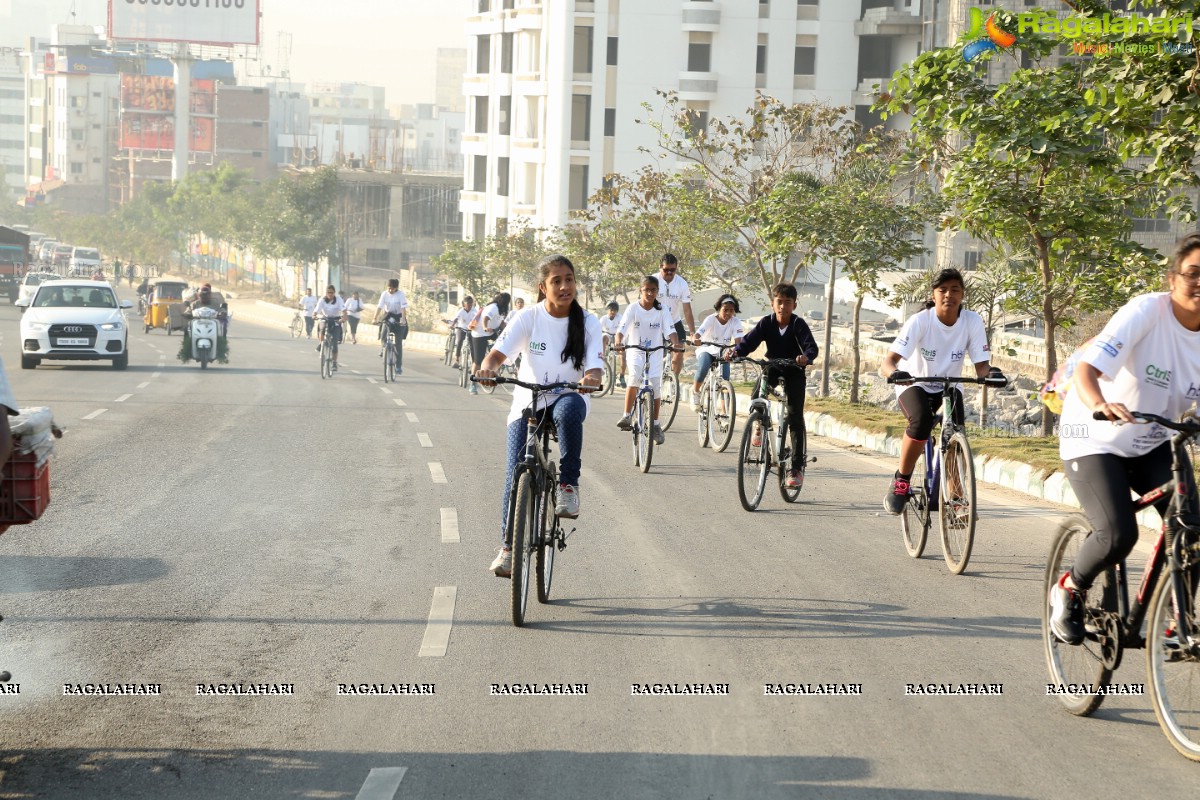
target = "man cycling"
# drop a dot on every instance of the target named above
(393, 306)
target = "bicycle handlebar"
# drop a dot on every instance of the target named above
(647, 349)
(723, 347)
(1192, 425)
(771, 362)
(537, 387)
(1001, 383)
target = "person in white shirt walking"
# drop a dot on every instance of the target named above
(393, 307)
(354, 309)
(676, 296)
(307, 305)
(331, 310)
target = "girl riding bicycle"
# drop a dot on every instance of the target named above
(722, 327)
(487, 325)
(932, 343)
(1147, 359)
(647, 323)
(560, 342)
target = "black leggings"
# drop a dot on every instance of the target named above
(1103, 484)
(479, 348)
(793, 379)
(920, 407)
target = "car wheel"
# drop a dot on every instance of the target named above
(121, 361)
(29, 362)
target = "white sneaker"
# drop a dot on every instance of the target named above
(659, 436)
(626, 422)
(502, 566)
(568, 501)
(695, 404)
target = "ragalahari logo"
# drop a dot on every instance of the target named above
(984, 37)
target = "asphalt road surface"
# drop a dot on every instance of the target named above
(253, 524)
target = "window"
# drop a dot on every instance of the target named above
(764, 9)
(806, 60)
(484, 6)
(697, 118)
(505, 114)
(577, 191)
(700, 52)
(481, 114)
(479, 173)
(506, 53)
(581, 118)
(483, 54)
(1156, 224)
(612, 51)
(509, 5)
(971, 260)
(610, 122)
(77, 134)
(76, 168)
(760, 60)
(582, 63)
(502, 176)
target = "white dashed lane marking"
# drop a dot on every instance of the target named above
(382, 783)
(385, 390)
(143, 384)
(156, 375)
(449, 526)
(436, 472)
(96, 413)
(441, 618)
(424, 439)
(123, 398)
(411, 416)
(372, 380)
(399, 402)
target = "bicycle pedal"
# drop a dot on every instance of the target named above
(812, 459)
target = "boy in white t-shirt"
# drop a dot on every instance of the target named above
(646, 323)
(609, 325)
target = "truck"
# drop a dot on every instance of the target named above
(14, 260)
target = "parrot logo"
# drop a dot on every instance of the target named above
(984, 37)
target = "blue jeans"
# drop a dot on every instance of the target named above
(567, 412)
(704, 362)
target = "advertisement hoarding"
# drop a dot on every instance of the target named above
(148, 114)
(213, 22)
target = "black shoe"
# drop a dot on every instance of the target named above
(1066, 613)
(897, 496)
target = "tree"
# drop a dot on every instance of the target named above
(514, 254)
(465, 263)
(1019, 171)
(738, 161)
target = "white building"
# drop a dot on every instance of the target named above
(12, 124)
(554, 89)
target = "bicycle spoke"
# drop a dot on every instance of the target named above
(1173, 666)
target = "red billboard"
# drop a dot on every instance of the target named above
(148, 114)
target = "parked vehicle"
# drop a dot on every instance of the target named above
(14, 260)
(72, 320)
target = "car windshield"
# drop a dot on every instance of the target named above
(93, 255)
(33, 279)
(75, 297)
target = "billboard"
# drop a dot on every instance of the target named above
(148, 114)
(215, 22)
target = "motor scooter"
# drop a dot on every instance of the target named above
(203, 330)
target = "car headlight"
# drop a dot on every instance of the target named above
(111, 326)
(37, 327)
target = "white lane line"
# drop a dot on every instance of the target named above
(382, 783)
(436, 472)
(449, 526)
(400, 403)
(143, 384)
(355, 372)
(411, 416)
(97, 413)
(156, 375)
(385, 390)
(123, 398)
(372, 380)
(441, 617)
(424, 439)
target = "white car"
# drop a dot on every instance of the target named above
(70, 320)
(30, 283)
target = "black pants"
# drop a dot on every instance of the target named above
(354, 327)
(794, 380)
(337, 331)
(459, 336)
(920, 407)
(479, 348)
(308, 326)
(1103, 484)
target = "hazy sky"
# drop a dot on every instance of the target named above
(388, 42)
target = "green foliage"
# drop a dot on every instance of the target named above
(465, 262)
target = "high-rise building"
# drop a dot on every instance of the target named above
(12, 124)
(451, 66)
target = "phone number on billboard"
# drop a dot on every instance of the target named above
(190, 3)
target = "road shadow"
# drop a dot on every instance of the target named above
(21, 574)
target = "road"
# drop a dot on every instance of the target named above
(254, 524)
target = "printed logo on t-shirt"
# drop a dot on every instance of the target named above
(1110, 345)
(928, 355)
(902, 341)
(1193, 391)
(1158, 377)
(957, 355)
(537, 347)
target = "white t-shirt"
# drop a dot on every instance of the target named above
(928, 348)
(541, 339)
(308, 303)
(1149, 362)
(328, 309)
(6, 396)
(393, 302)
(712, 330)
(354, 307)
(490, 313)
(673, 295)
(610, 326)
(647, 327)
(463, 318)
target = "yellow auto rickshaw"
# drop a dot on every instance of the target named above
(163, 296)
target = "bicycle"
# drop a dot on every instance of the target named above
(1112, 624)
(717, 405)
(536, 532)
(328, 348)
(954, 497)
(612, 368)
(297, 325)
(668, 405)
(388, 337)
(643, 411)
(757, 461)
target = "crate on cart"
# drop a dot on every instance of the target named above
(25, 479)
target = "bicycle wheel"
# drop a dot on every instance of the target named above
(326, 361)
(914, 519)
(646, 423)
(1092, 662)
(523, 527)
(1174, 671)
(546, 525)
(956, 511)
(754, 464)
(703, 413)
(464, 372)
(297, 327)
(389, 362)
(790, 494)
(669, 405)
(448, 358)
(722, 416)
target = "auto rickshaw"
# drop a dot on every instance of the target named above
(163, 296)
